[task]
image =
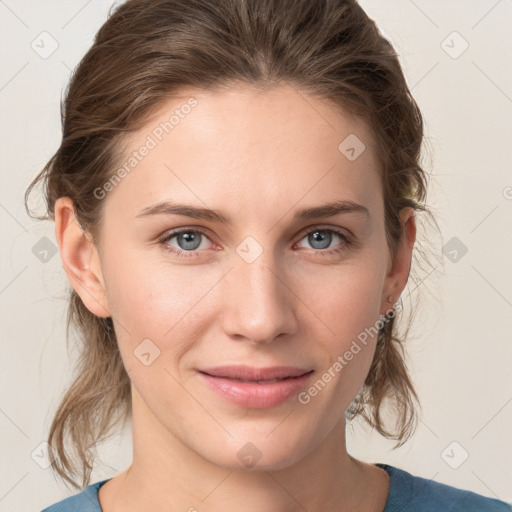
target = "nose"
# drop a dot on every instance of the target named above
(259, 304)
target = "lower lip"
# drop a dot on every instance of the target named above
(256, 396)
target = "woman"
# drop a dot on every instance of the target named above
(235, 201)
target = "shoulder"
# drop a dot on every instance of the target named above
(413, 493)
(85, 501)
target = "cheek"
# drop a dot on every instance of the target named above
(157, 317)
(163, 303)
(346, 306)
(343, 301)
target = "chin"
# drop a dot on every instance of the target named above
(257, 452)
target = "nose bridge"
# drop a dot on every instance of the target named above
(259, 305)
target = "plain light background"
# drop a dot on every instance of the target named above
(461, 347)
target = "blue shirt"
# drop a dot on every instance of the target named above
(407, 493)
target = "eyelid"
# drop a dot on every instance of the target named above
(320, 227)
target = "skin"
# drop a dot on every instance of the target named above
(259, 156)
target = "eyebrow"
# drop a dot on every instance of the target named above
(194, 212)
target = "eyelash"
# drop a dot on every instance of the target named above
(347, 242)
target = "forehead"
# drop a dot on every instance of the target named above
(244, 146)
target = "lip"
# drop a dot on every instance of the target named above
(251, 394)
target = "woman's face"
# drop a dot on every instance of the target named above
(269, 287)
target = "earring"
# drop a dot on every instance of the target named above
(390, 298)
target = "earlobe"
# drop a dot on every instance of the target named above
(398, 274)
(80, 258)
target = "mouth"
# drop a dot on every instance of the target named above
(256, 392)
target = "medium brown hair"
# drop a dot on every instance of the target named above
(149, 50)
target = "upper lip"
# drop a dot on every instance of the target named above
(256, 374)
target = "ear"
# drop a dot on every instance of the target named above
(80, 258)
(400, 266)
